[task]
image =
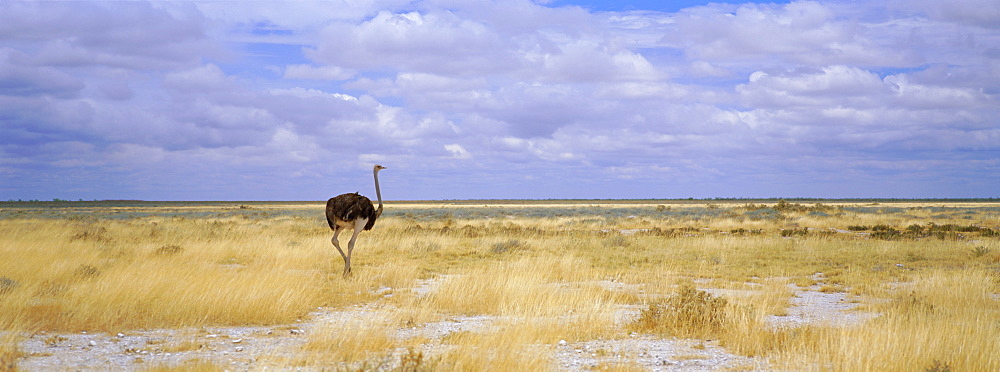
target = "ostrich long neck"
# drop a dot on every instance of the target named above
(378, 193)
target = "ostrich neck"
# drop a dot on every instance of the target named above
(378, 194)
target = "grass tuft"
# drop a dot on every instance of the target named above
(690, 313)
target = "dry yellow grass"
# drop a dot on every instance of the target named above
(502, 349)
(194, 365)
(530, 287)
(541, 273)
(947, 320)
(111, 275)
(10, 352)
(352, 340)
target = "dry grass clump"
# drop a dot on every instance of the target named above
(10, 352)
(193, 365)
(772, 298)
(355, 340)
(738, 322)
(691, 313)
(503, 349)
(536, 286)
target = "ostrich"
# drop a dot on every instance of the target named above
(352, 211)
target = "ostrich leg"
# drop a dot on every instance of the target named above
(359, 225)
(336, 244)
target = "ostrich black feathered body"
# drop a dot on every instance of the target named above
(350, 207)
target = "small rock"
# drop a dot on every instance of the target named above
(563, 343)
(238, 340)
(120, 335)
(93, 343)
(239, 348)
(297, 331)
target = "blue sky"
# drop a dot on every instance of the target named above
(511, 99)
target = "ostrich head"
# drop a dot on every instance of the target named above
(379, 167)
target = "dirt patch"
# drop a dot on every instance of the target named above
(826, 309)
(252, 348)
(238, 348)
(652, 353)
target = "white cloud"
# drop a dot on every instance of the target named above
(308, 94)
(297, 148)
(921, 96)
(205, 78)
(19, 76)
(317, 73)
(438, 42)
(593, 60)
(984, 13)
(798, 32)
(630, 172)
(708, 69)
(98, 33)
(829, 86)
(457, 151)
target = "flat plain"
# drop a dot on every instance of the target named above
(503, 285)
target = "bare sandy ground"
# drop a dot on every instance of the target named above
(273, 347)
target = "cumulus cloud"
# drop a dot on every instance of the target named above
(21, 77)
(829, 86)
(438, 42)
(317, 73)
(457, 151)
(800, 32)
(207, 77)
(98, 33)
(983, 13)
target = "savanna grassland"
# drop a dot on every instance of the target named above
(535, 275)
